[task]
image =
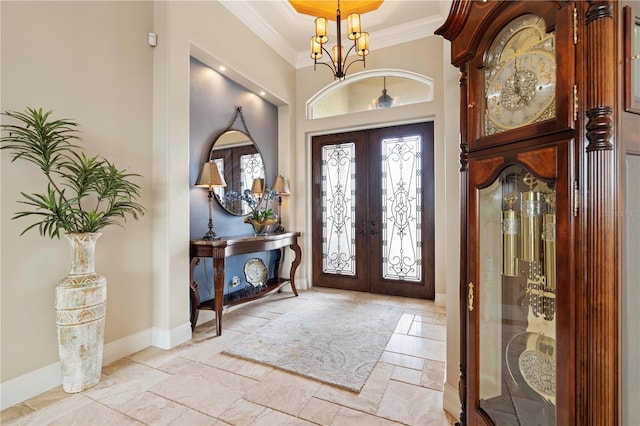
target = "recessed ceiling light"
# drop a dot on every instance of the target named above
(222, 68)
(262, 93)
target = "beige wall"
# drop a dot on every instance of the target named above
(90, 61)
(64, 57)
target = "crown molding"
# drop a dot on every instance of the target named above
(262, 29)
(409, 31)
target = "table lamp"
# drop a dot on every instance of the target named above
(281, 185)
(257, 187)
(210, 178)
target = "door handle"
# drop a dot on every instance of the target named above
(373, 223)
(363, 232)
(373, 232)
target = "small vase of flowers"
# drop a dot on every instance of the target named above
(261, 216)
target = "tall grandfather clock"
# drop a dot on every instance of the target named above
(539, 271)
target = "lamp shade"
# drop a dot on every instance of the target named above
(257, 187)
(281, 185)
(353, 26)
(316, 48)
(210, 176)
(322, 31)
(363, 44)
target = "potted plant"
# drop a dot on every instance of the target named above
(83, 195)
(261, 216)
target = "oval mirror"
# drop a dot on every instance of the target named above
(240, 162)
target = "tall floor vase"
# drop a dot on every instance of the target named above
(80, 303)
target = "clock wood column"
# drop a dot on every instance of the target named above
(601, 326)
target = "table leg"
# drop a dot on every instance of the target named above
(194, 294)
(294, 265)
(218, 284)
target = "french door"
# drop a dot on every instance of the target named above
(373, 211)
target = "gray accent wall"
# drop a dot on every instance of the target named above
(212, 105)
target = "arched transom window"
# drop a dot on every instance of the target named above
(369, 90)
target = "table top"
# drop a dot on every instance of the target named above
(246, 238)
(227, 246)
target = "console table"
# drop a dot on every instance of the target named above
(218, 250)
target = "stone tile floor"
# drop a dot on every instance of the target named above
(195, 384)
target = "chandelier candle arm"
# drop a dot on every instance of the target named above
(338, 57)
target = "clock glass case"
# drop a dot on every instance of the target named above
(520, 76)
(517, 294)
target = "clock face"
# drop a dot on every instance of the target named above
(520, 77)
(521, 90)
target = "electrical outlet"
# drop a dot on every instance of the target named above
(235, 281)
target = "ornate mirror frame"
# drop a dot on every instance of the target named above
(239, 160)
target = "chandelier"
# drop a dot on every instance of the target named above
(338, 58)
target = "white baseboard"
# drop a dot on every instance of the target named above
(167, 339)
(34, 383)
(128, 345)
(440, 299)
(451, 400)
(303, 284)
(28, 385)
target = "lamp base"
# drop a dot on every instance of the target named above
(210, 236)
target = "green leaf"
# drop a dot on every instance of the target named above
(84, 194)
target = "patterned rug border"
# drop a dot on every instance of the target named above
(301, 342)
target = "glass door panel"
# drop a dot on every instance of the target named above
(338, 209)
(373, 228)
(401, 208)
(517, 294)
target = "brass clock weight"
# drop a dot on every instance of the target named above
(510, 233)
(530, 253)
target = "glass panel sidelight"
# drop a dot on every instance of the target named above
(338, 209)
(251, 167)
(517, 299)
(401, 208)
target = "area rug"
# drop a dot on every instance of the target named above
(333, 341)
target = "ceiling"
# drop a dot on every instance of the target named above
(288, 32)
